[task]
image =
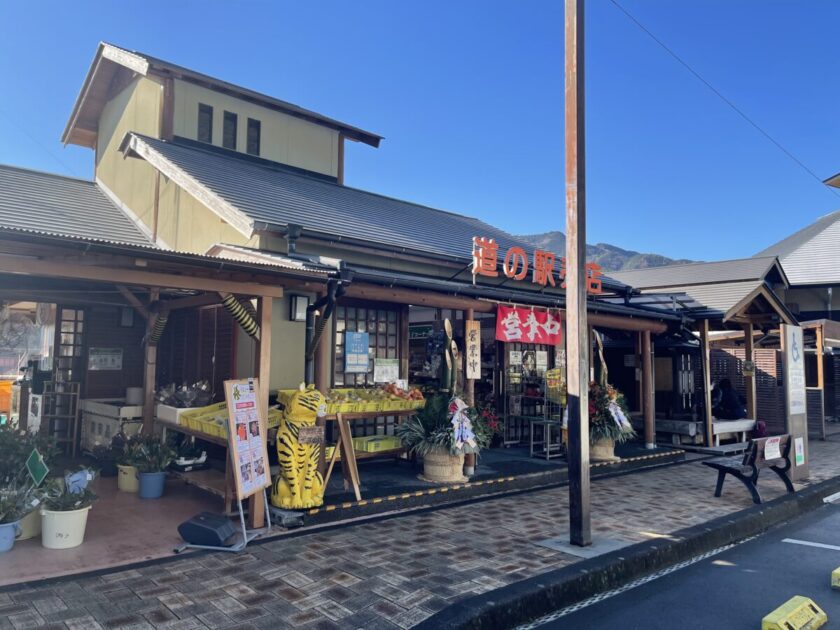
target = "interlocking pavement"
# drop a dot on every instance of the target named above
(387, 574)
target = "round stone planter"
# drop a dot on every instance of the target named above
(603, 451)
(440, 466)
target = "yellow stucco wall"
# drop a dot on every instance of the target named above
(186, 224)
(287, 347)
(136, 108)
(283, 139)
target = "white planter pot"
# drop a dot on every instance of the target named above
(30, 525)
(127, 479)
(63, 530)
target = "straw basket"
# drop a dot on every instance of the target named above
(440, 466)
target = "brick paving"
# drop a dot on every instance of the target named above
(388, 574)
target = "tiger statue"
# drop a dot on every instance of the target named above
(300, 483)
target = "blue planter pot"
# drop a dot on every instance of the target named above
(151, 485)
(8, 533)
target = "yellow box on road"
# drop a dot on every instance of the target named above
(797, 613)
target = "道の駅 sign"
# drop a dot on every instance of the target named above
(515, 266)
(525, 325)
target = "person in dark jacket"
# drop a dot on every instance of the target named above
(727, 404)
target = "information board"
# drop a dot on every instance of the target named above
(100, 359)
(793, 355)
(247, 437)
(356, 352)
(386, 370)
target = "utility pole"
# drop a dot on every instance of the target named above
(577, 332)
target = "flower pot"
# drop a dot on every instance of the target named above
(152, 484)
(107, 468)
(603, 450)
(469, 464)
(8, 533)
(30, 526)
(63, 530)
(127, 478)
(440, 466)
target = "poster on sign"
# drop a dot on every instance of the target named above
(525, 325)
(247, 437)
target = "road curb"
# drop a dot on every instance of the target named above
(534, 597)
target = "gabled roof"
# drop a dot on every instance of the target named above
(728, 271)
(725, 290)
(252, 195)
(811, 255)
(113, 65)
(44, 203)
(226, 251)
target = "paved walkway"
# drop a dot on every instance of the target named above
(393, 573)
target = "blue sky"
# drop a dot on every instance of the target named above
(469, 96)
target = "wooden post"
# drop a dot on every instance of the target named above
(256, 507)
(469, 384)
(323, 379)
(149, 372)
(647, 390)
(577, 340)
(707, 380)
(749, 379)
(637, 366)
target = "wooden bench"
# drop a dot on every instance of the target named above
(746, 469)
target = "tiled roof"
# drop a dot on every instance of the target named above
(697, 273)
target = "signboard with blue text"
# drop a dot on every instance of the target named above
(356, 352)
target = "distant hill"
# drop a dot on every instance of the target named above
(610, 257)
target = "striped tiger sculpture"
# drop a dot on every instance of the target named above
(299, 484)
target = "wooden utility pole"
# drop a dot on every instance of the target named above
(577, 337)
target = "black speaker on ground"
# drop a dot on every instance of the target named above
(208, 529)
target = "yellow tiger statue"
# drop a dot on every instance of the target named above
(300, 483)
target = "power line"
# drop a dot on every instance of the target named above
(22, 129)
(717, 92)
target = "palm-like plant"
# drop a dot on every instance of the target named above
(429, 429)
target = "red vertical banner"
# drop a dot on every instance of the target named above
(525, 325)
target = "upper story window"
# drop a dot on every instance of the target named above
(205, 123)
(229, 131)
(253, 137)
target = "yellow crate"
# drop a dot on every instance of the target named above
(369, 406)
(201, 412)
(376, 443)
(274, 417)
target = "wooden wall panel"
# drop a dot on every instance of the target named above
(103, 330)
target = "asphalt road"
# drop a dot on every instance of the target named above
(733, 589)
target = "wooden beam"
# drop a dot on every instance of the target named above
(133, 276)
(749, 379)
(150, 373)
(637, 368)
(705, 358)
(647, 391)
(340, 171)
(194, 301)
(134, 301)
(256, 508)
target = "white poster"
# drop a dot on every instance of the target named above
(542, 361)
(795, 370)
(772, 448)
(386, 370)
(515, 357)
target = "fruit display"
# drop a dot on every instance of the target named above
(385, 398)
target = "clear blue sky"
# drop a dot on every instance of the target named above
(468, 95)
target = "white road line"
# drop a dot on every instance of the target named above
(832, 498)
(808, 543)
(568, 610)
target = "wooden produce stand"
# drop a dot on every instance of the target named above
(209, 479)
(348, 455)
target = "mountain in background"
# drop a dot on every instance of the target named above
(610, 257)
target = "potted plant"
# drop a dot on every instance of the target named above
(64, 512)
(15, 447)
(608, 423)
(441, 434)
(152, 457)
(124, 454)
(16, 501)
(106, 459)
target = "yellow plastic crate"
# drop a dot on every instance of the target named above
(376, 443)
(201, 412)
